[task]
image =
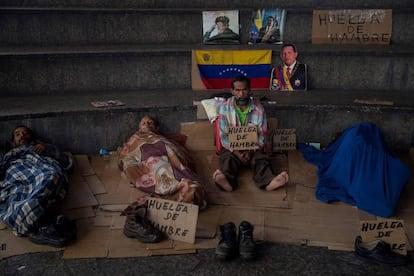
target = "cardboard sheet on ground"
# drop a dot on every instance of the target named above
(277, 225)
(118, 190)
(316, 223)
(207, 222)
(83, 164)
(200, 135)
(11, 245)
(92, 241)
(301, 171)
(79, 194)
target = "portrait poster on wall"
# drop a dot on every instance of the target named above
(267, 26)
(221, 27)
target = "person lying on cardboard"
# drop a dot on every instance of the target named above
(160, 166)
(33, 181)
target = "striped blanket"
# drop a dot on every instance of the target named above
(30, 184)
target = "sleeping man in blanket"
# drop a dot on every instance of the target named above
(33, 181)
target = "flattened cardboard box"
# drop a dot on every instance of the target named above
(177, 219)
(284, 139)
(352, 26)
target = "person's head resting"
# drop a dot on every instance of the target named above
(21, 135)
(288, 54)
(240, 88)
(222, 23)
(148, 124)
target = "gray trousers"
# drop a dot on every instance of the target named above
(230, 165)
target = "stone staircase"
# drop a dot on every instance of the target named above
(58, 56)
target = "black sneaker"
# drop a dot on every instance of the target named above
(58, 233)
(227, 246)
(49, 235)
(137, 226)
(247, 246)
(66, 227)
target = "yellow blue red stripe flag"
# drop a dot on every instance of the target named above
(217, 67)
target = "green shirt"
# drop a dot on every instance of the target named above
(242, 114)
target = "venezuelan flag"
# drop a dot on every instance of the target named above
(217, 67)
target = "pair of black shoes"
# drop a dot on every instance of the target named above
(231, 246)
(380, 252)
(58, 233)
(139, 227)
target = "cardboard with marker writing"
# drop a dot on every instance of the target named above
(243, 138)
(388, 230)
(284, 139)
(367, 26)
(177, 220)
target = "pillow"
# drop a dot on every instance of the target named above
(211, 106)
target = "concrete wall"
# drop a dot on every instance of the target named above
(87, 132)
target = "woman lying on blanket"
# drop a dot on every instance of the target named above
(160, 166)
(32, 181)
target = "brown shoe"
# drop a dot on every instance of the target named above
(137, 226)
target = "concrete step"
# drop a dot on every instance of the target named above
(75, 125)
(96, 26)
(57, 70)
(212, 4)
(72, 123)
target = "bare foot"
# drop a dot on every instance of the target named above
(222, 181)
(278, 181)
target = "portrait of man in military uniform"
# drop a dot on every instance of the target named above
(291, 75)
(221, 27)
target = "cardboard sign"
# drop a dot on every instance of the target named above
(243, 138)
(351, 26)
(177, 220)
(390, 231)
(284, 139)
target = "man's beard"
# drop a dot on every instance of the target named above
(243, 101)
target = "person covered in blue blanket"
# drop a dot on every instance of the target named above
(33, 180)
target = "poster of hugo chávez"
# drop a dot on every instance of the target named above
(221, 27)
(267, 26)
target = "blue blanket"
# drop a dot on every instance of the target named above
(29, 185)
(359, 169)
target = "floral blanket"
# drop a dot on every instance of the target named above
(29, 186)
(157, 165)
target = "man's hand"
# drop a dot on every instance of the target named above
(244, 156)
(39, 148)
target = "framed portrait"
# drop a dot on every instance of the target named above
(221, 27)
(267, 26)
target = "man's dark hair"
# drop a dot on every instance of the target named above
(240, 78)
(288, 45)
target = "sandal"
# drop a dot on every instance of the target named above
(221, 181)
